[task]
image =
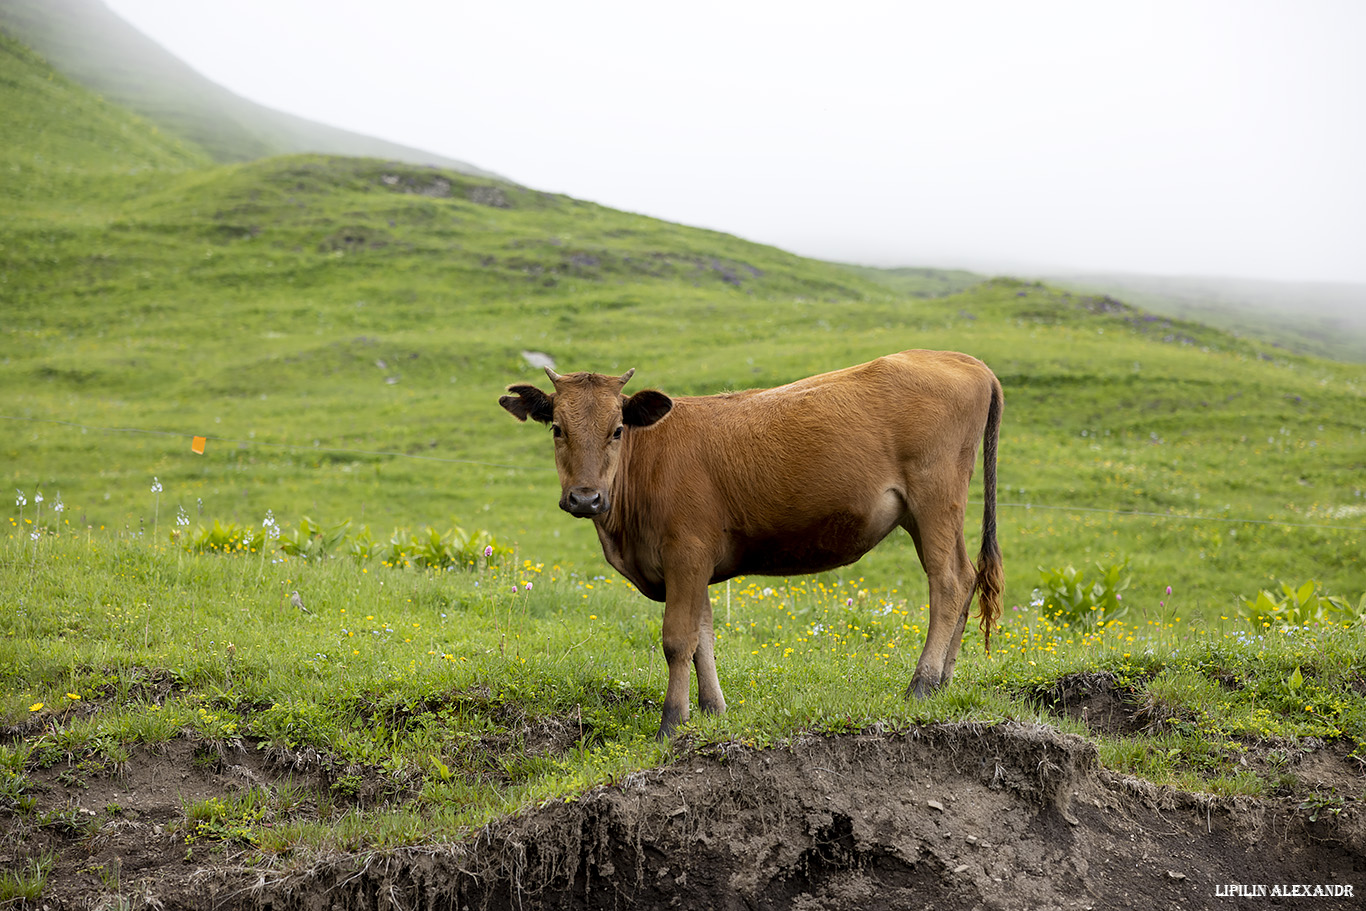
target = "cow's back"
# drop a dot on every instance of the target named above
(896, 409)
(817, 470)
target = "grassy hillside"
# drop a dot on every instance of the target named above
(60, 141)
(1321, 319)
(89, 43)
(340, 329)
(921, 282)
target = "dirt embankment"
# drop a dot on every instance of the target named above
(953, 816)
(950, 816)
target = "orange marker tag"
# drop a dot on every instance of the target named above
(197, 446)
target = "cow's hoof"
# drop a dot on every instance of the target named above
(920, 688)
(669, 724)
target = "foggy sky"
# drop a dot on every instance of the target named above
(1212, 138)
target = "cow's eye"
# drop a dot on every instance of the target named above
(555, 431)
(616, 434)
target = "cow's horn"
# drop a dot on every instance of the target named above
(550, 372)
(626, 377)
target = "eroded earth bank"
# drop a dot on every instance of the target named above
(949, 816)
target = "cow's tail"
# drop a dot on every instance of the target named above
(990, 569)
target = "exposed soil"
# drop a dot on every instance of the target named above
(949, 816)
(1099, 702)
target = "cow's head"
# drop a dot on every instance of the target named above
(588, 415)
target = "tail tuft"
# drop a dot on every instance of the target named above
(990, 568)
(990, 582)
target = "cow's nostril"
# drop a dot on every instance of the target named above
(584, 502)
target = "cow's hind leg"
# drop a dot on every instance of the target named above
(944, 554)
(710, 699)
(956, 643)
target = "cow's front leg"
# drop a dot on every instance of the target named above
(688, 639)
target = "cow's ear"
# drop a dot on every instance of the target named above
(528, 402)
(645, 408)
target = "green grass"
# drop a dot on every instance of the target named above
(92, 46)
(61, 142)
(25, 884)
(919, 282)
(441, 700)
(1321, 319)
(340, 329)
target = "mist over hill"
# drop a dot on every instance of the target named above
(58, 137)
(1320, 318)
(88, 42)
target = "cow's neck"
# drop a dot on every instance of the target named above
(611, 546)
(612, 527)
(614, 530)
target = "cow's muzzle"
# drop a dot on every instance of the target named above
(585, 502)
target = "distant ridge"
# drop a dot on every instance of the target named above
(87, 42)
(62, 141)
(1324, 319)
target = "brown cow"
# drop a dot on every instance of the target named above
(802, 478)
